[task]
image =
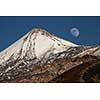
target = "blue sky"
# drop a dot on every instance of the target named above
(13, 28)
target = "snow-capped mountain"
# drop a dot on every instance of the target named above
(40, 52)
(34, 45)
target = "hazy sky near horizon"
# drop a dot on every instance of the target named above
(13, 28)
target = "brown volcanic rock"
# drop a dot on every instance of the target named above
(81, 73)
(60, 70)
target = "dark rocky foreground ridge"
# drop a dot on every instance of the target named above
(57, 69)
(75, 64)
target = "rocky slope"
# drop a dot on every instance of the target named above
(42, 57)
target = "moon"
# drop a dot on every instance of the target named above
(75, 32)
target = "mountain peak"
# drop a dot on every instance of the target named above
(35, 44)
(37, 30)
(40, 31)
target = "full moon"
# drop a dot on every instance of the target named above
(75, 32)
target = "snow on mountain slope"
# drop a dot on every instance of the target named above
(93, 50)
(34, 45)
